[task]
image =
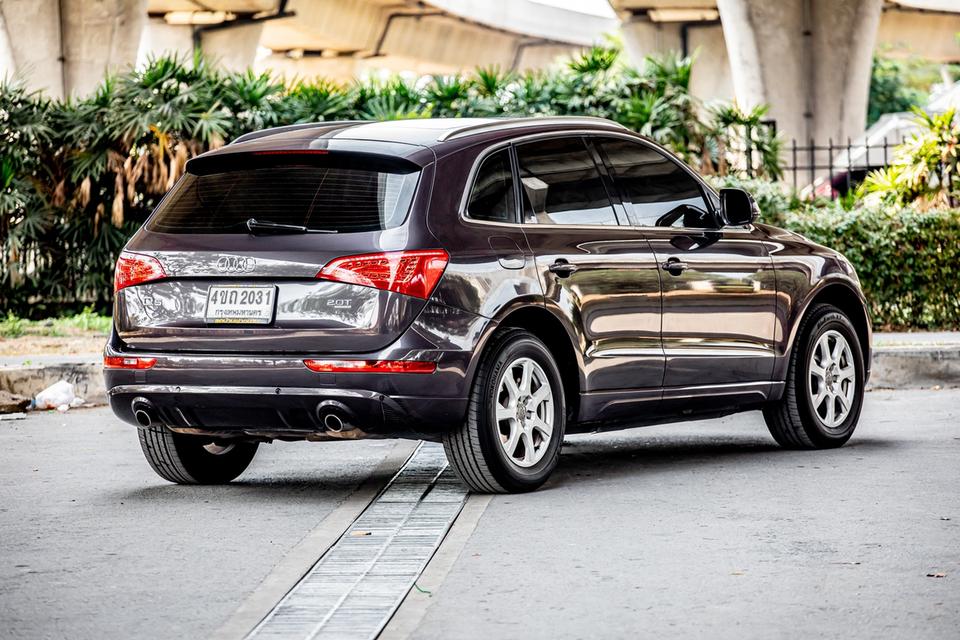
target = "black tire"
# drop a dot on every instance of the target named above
(793, 420)
(474, 449)
(183, 459)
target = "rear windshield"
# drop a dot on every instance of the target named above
(342, 199)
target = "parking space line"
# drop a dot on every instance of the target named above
(354, 589)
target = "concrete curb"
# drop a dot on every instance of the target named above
(915, 367)
(30, 379)
(894, 367)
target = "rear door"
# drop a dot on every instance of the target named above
(223, 287)
(719, 287)
(599, 275)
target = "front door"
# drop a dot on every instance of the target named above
(719, 287)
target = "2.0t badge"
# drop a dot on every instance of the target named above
(236, 264)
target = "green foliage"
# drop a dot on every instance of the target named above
(893, 88)
(85, 322)
(924, 170)
(77, 177)
(908, 260)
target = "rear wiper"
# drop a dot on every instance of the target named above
(255, 227)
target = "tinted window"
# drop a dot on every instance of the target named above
(318, 197)
(492, 197)
(561, 184)
(657, 191)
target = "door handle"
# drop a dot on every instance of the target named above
(675, 266)
(563, 269)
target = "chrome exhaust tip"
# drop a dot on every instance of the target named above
(335, 416)
(333, 422)
(144, 412)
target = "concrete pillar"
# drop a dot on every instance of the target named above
(643, 37)
(8, 66)
(160, 38)
(233, 48)
(99, 36)
(33, 48)
(808, 59)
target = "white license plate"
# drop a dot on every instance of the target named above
(241, 304)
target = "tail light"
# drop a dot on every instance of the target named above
(412, 273)
(124, 362)
(371, 366)
(136, 268)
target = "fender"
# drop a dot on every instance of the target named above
(852, 292)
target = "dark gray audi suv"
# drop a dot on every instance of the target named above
(493, 284)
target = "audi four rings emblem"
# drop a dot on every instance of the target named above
(235, 264)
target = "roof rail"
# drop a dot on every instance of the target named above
(469, 129)
(330, 124)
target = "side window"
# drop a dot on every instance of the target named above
(492, 196)
(561, 184)
(657, 191)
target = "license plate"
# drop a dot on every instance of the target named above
(241, 304)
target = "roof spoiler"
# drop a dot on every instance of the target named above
(321, 126)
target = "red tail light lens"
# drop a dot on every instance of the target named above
(123, 362)
(370, 366)
(136, 268)
(412, 273)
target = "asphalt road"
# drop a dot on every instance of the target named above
(704, 529)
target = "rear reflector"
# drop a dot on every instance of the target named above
(412, 273)
(371, 366)
(122, 362)
(136, 268)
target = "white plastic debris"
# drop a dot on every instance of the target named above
(56, 395)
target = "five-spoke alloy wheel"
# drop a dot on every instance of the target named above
(511, 439)
(821, 402)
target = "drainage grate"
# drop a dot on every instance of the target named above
(355, 587)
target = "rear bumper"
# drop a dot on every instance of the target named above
(275, 397)
(287, 412)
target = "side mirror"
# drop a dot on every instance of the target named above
(737, 208)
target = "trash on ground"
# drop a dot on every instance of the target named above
(59, 396)
(13, 416)
(937, 575)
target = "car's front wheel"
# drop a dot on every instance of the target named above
(821, 403)
(189, 459)
(511, 439)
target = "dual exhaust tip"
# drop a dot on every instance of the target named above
(333, 415)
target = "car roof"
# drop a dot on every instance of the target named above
(418, 140)
(427, 132)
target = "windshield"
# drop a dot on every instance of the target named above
(317, 197)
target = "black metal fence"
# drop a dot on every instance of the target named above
(829, 170)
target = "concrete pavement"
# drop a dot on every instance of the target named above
(704, 529)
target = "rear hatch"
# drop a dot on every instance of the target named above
(278, 252)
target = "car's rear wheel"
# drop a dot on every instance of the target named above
(511, 439)
(189, 459)
(821, 403)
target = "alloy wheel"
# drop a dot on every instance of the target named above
(524, 408)
(832, 379)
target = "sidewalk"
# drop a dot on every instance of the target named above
(900, 361)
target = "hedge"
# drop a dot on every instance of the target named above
(908, 261)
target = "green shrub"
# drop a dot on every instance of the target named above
(908, 260)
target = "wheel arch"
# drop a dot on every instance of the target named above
(849, 299)
(547, 327)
